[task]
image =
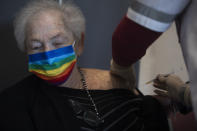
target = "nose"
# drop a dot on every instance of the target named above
(47, 47)
(47, 55)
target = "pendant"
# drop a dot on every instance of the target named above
(85, 114)
(92, 119)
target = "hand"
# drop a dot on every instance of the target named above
(126, 73)
(171, 85)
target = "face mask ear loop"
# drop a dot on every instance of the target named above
(73, 45)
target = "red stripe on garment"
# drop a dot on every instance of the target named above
(63, 78)
(130, 41)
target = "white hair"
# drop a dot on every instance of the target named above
(72, 18)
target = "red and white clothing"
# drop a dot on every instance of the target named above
(145, 21)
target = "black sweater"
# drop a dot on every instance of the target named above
(32, 105)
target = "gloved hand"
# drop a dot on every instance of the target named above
(126, 73)
(174, 88)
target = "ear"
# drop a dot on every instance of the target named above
(80, 45)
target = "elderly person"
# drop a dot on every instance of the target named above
(61, 96)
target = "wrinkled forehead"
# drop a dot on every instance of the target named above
(45, 24)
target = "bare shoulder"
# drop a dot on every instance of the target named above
(102, 79)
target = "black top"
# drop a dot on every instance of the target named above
(32, 105)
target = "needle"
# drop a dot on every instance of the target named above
(154, 78)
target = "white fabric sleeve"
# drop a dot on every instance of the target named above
(156, 15)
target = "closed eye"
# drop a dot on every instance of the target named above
(57, 44)
(59, 40)
(35, 45)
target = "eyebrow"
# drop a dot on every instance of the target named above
(51, 39)
(55, 37)
(36, 40)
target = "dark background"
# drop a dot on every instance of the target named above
(102, 17)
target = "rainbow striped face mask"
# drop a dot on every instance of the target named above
(53, 66)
